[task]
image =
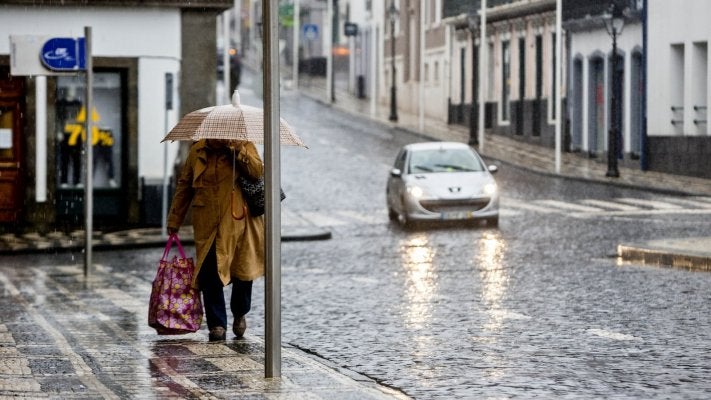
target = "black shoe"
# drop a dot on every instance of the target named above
(217, 334)
(239, 326)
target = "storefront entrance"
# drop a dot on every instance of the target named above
(108, 118)
(12, 161)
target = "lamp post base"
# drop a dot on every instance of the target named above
(393, 106)
(612, 173)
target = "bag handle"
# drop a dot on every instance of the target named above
(173, 238)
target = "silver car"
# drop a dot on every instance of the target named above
(441, 181)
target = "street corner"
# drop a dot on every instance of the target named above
(296, 233)
(688, 253)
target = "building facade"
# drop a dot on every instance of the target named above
(591, 80)
(679, 90)
(148, 71)
(520, 70)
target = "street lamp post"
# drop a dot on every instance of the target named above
(393, 15)
(614, 23)
(473, 24)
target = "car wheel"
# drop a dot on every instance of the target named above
(402, 215)
(493, 221)
(403, 221)
(392, 215)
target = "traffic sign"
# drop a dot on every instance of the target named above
(350, 29)
(64, 54)
(310, 31)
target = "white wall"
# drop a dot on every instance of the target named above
(681, 23)
(151, 35)
(587, 45)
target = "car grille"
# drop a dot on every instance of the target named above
(438, 206)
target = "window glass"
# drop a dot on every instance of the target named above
(107, 130)
(444, 160)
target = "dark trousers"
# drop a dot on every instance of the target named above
(213, 297)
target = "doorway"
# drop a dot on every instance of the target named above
(12, 161)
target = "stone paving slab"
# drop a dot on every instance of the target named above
(92, 341)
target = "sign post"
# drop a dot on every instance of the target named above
(168, 106)
(42, 56)
(88, 145)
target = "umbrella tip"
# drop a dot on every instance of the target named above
(235, 98)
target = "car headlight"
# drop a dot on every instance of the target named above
(490, 189)
(415, 191)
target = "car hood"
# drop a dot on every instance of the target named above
(451, 185)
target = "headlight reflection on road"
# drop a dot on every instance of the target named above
(417, 258)
(494, 285)
(494, 278)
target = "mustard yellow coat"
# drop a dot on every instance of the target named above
(206, 182)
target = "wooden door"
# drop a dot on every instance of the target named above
(11, 154)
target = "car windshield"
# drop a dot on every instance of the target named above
(444, 160)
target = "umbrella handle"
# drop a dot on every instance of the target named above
(232, 208)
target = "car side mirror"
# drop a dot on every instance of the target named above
(493, 168)
(395, 172)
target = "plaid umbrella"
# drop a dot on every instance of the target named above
(232, 121)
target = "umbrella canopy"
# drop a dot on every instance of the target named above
(231, 121)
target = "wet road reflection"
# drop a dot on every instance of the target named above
(417, 259)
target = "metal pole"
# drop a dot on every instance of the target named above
(328, 35)
(559, 84)
(272, 234)
(226, 58)
(295, 58)
(473, 140)
(373, 58)
(393, 80)
(89, 163)
(483, 62)
(168, 107)
(612, 133)
(421, 93)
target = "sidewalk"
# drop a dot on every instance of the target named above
(692, 253)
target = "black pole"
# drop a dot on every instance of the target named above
(334, 39)
(644, 159)
(473, 114)
(393, 89)
(612, 170)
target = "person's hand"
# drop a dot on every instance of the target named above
(172, 231)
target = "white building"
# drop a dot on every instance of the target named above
(420, 58)
(590, 63)
(679, 90)
(520, 77)
(135, 49)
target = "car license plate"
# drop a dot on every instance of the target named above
(457, 215)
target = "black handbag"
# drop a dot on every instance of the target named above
(253, 193)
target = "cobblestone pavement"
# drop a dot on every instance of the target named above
(65, 337)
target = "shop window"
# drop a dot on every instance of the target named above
(107, 115)
(677, 87)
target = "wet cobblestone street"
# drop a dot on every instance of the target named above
(64, 337)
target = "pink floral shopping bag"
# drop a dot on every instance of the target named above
(175, 307)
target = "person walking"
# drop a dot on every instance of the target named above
(229, 242)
